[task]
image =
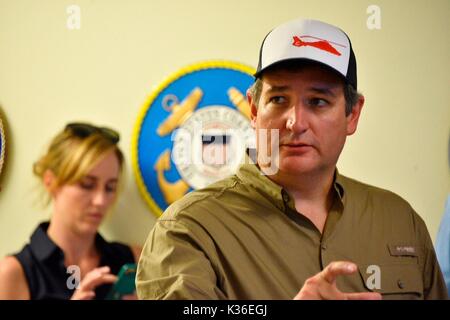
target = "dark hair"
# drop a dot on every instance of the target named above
(351, 94)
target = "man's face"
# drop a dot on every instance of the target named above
(308, 108)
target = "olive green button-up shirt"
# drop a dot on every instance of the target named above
(242, 238)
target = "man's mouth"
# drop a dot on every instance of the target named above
(296, 146)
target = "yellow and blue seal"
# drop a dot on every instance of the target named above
(2, 145)
(192, 131)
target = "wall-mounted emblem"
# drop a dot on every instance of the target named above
(2, 144)
(192, 131)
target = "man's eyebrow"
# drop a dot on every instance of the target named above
(275, 88)
(328, 90)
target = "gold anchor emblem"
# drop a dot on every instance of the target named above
(180, 113)
(239, 101)
(173, 191)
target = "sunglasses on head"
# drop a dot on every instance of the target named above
(84, 130)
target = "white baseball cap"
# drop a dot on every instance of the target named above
(309, 40)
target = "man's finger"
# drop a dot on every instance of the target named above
(337, 268)
(363, 296)
(331, 292)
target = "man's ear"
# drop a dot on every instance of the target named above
(353, 117)
(253, 109)
(49, 180)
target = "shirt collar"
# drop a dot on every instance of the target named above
(251, 174)
(41, 245)
(339, 185)
(44, 248)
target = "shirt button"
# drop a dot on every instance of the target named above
(285, 197)
(400, 284)
(324, 247)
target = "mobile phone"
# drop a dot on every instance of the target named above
(125, 283)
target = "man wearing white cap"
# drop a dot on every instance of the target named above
(303, 230)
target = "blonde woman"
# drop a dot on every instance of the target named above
(80, 172)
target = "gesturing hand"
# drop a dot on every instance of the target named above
(93, 279)
(322, 286)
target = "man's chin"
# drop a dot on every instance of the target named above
(297, 165)
(291, 164)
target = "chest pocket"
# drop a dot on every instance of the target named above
(394, 281)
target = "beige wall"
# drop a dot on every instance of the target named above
(50, 75)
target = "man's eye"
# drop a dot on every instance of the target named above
(318, 102)
(278, 100)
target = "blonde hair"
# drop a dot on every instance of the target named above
(70, 156)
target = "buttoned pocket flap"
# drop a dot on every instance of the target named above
(401, 281)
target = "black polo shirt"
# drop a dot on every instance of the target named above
(43, 263)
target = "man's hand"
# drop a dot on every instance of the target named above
(93, 279)
(322, 286)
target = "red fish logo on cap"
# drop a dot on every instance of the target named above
(321, 44)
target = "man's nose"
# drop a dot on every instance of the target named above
(297, 120)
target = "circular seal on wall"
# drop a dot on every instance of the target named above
(193, 130)
(2, 145)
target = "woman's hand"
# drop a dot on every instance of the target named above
(93, 279)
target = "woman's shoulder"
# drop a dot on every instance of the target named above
(10, 266)
(13, 283)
